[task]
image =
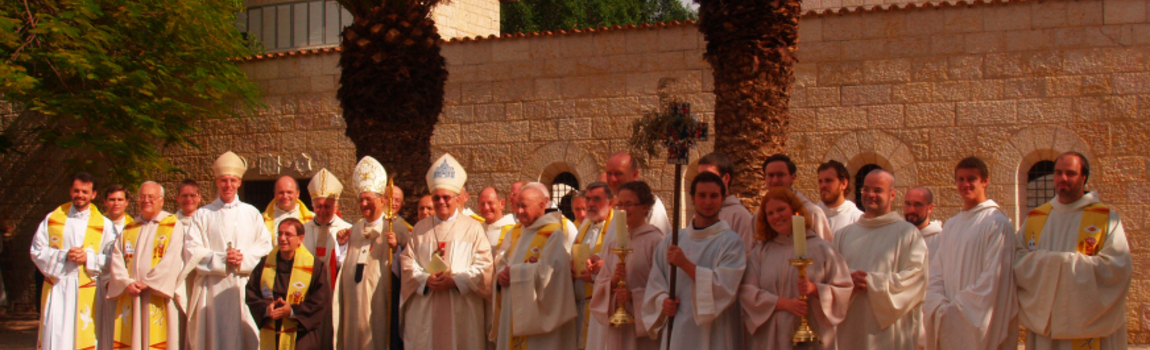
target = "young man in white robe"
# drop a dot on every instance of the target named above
(597, 229)
(146, 262)
(970, 302)
(621, 169)
(834, 184)
(69, 249)
(780, 171)
(285, 205)
(709, 262)
(734, 212)
(1072, 267)
(491, 204)
(888, 260)
(226, 240)
(534, 299)
(364, 285)
(917, 207)
(447, 270)
(115, 209)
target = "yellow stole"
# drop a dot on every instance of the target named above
(157, 305)
(302, 266)
(533, 251)
(1091, 233)
(86, 294)
(478, 218)
(589, 288)
(270, 215)
(503, 233)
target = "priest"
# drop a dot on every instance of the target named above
(188, 198)
(587, 253)
(621, 169)
(491, 204)
(780, 171)
(69, 249)
(734, 212)
(365, 281)
(1072, 267)
(115, 209)
(710, 259)
(447, 270)
(286, 204)
(834, 184)
(289, 294)
(534, 300)
(145, 269)
(970, 300)
(322, 235)
(226, 240)
(918, 205)
(888, 263)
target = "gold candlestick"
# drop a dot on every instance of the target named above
(621, 316)
(804, 333)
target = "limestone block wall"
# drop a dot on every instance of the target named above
(462, 18)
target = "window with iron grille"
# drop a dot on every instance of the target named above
(1039, 184)
(296, 25)
(563, 185)
(860, 176)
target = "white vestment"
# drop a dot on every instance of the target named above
(58, 322)
(362, 303)
(539, 304)
(601, 335)
(218, 317)
(313, 232)
(842, 215)
(931, 235)
(495, 231)
(1066, 295)
(970, 301)
(160, 279)
(658, 216)
(594, 232)
(707, 316)
(105, 313)
(739, 219)
(888, 314)
(452, 319)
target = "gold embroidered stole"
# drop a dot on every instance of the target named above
(157, 327)
(302, 267)
(270, 216)
(85, 337)
(1091, 234)
(534, 250)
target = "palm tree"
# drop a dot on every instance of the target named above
(391, 86)
(750, 47)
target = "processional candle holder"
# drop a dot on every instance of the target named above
(621, 316)
(804, 333)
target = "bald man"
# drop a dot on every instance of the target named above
(621, 169)
(888, 260)
(917, 206)
(497, 224)
(285, 205)
(425, 209)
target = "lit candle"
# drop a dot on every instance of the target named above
(799, 233)
(622, 236)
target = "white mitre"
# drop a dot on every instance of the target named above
(369, 176)
(446, 173)
(324, 185)
(229, 164)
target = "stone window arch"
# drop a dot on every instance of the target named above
(1039, 184)
(563, 186)
(1015, 157)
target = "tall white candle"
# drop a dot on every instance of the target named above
(622, 236)
(799, 233)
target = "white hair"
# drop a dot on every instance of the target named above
(150, 182)
(538, 187)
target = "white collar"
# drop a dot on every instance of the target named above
(450, 219)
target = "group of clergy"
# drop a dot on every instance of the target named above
(228, 276)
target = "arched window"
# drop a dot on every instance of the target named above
(561, 186)
(860, 176)
(1039, 184)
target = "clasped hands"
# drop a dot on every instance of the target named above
(441, 281)
(235, 257)
(78, 255)
(279, 309)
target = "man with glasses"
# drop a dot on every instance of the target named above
(591, 235)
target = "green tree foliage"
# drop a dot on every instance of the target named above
(120, 81)
(525, 16)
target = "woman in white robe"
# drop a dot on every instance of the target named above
(636, 199)
(771, 287)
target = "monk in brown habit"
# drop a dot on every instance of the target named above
(293, 307)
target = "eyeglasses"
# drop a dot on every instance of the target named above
(438, 198)
(146, 198)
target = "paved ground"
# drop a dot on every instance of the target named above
(18, 332)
